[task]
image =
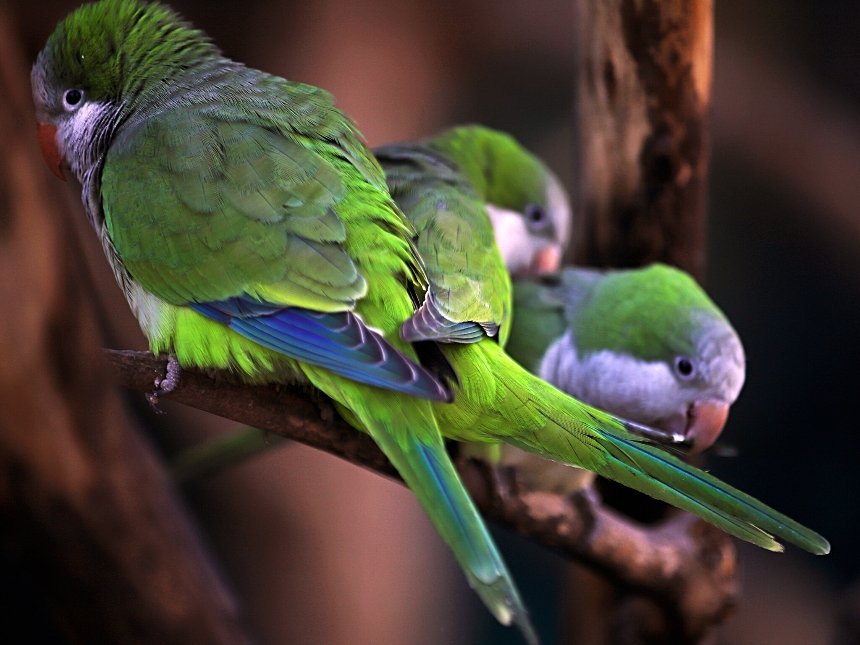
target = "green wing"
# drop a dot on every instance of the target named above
(266, 233)
(191, 207)
(470, 292)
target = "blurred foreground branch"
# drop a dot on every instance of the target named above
(684, 564)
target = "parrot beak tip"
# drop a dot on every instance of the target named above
(546, 260)
(706, 420)
(47, 134)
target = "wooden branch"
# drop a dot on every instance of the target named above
(643, 95)
(685, 564)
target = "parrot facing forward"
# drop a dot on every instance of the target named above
(645, 344)
(658, 351)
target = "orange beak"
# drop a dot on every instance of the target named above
(547, 260)
(705, 422)
(50, 150)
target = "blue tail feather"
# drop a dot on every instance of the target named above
(486, 569)
(710, 497)
(430, 474)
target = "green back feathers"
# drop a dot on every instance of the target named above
(140, 57)
(501, 170)
(649, 313)
(108, 48)
(469, 283)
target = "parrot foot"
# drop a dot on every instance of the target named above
(165, 384)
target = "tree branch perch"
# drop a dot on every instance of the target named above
(684, 564)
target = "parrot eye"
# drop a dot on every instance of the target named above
(684, 368)
(536, 217)
(72, 99)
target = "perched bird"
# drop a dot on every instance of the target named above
(250, 229)
(526, 203)
(648, 344)
(686, 394)
(450, 213)
(449, 186)
(645, 344)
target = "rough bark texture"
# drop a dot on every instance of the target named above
(86, 512)
(643, 95)
(685, 565)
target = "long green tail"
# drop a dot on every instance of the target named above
(405, 429)
(576, 433)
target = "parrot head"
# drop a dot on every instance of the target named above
(96, 67)
(526, 202)
(648, 345)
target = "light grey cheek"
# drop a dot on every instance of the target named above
(79, 134)
(639, 390)
(724, 364)
(561, 367)
(559, 205)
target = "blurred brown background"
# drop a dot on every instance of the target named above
(321, 552)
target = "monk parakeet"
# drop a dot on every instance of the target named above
(647, 344)
(524, 200)
(251, 230)
(690, 408)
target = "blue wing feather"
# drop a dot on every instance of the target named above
(337, 341)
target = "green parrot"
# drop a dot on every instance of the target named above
(482, 207)
(533, 218)
(646, 344)
(250, 229)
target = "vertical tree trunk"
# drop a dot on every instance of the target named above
(643, 93)
(86, 514)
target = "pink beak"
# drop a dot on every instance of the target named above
(547, 260)
(705, 422)
(50, 151)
